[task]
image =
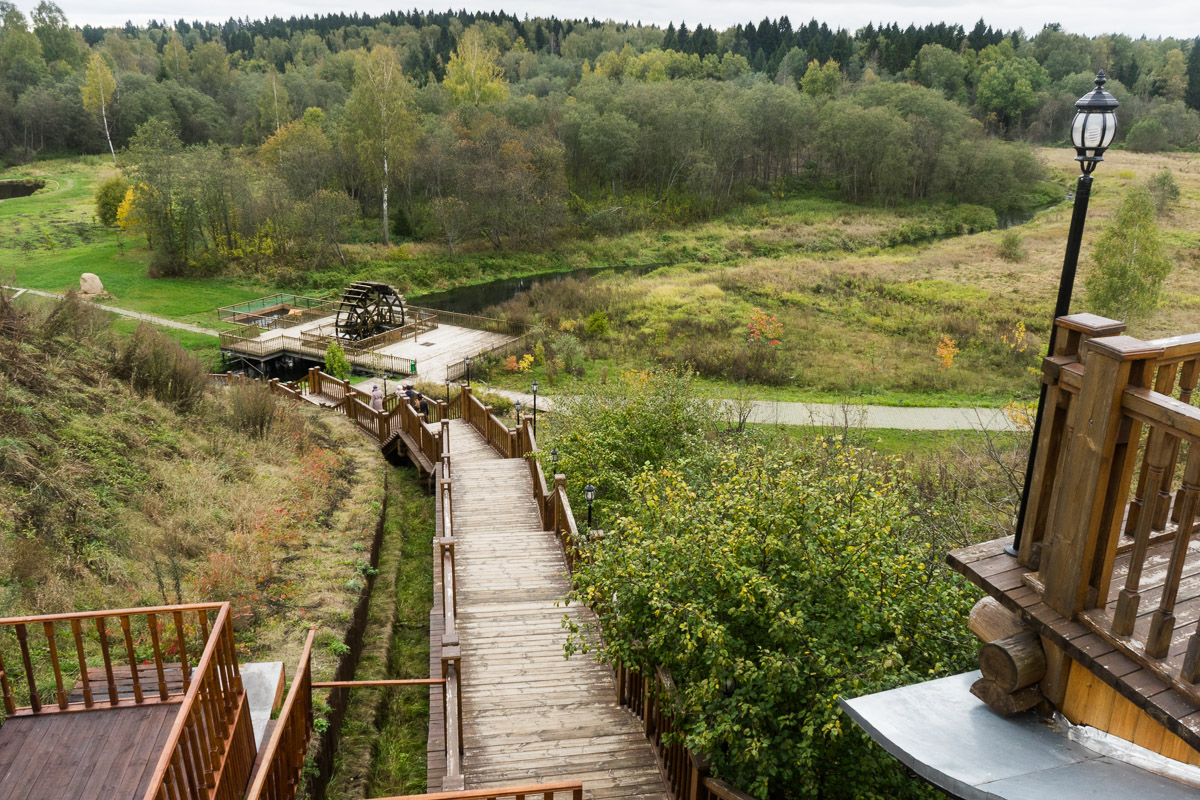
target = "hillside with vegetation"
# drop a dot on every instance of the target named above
(127, 480)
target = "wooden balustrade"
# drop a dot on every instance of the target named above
(282, 758)
(1116, 491)
(210, 749)
(650, 698)
(547, 791)
(100, 660)
(451, 651)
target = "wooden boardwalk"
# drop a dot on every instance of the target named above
(529, 714)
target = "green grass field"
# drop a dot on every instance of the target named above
(49, 239)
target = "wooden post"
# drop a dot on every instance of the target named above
(560, 484)
(1088, 500)
(1074, 331)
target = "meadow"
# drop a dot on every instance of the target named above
(864, 296)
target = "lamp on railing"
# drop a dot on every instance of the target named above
(534, 386)
(467, 361)
(589, 494)
(1092, 131)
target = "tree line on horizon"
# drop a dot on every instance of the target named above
(459, 126)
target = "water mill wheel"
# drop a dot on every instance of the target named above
(367, 309)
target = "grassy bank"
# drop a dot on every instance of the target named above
(383, 741)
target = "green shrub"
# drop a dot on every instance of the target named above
(1011, 247)
(969, 218)
(1163, 190)
(336, 363)
(596, 325)
(252, 407)
(157, 366)
(767, 580)
(109, 195)
(1147, 136)
(569, 353)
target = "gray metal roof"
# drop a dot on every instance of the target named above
(946, 735)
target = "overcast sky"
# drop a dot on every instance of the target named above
(1179, 18)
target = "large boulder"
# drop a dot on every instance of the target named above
(90, 284)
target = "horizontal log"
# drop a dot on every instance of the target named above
(1013, 662)
(989, 620)
(1002, 702)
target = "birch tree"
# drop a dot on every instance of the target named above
(380, 127)
(98, 89)
(474, 76)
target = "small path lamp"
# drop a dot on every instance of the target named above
(517, 410)
(467, 361)
(554, 460)
(534, 387)
(1092, 131)
(589, 494)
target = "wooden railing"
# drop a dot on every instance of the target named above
(1110, 480)
(546, 791)
(100, 660)
(282, 758)
(210, 749)
(451, 651)
(494, 430)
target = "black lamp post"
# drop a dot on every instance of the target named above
(589, 494)
(1092, 131)
(554, 460)
(535, 388)
(467, 361)
(517, 410)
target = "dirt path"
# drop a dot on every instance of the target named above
(166, 323)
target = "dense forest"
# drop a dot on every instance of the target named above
(260, 144)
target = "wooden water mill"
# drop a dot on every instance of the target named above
(369, 308)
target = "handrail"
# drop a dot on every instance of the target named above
(196, 745)
(1114, 483)
(546, 790)
(283, 757)
(149, 680)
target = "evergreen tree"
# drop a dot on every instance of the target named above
(1192, 95)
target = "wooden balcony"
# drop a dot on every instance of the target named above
(144, 703)
(1108, 571)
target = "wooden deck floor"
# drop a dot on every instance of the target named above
(88, 755)
(529, 714)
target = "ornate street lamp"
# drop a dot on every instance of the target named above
(1092, 131)
(535, 388)
(467, 361)
(589, 494)
(517, 410)
(554, 460)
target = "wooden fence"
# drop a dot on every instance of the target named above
(451, 650)
(210, 750)
(60, 649)
(282, 758)
(1118, 472)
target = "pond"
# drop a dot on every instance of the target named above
(21, 187)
